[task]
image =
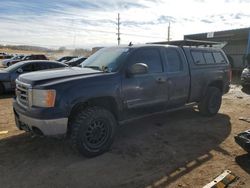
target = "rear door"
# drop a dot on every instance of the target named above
(178, 77)
(145, 93)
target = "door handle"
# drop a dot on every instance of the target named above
(160, 80)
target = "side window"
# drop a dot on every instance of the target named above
(40, 66)
(40, 57)
(28, 57)
(218, 57)
(27, 68)
(32, 57)
(198, 57)
(54, 66)
(151, 57)
(209, 57)
(174, 61)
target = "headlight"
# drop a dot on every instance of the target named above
(43, 98)
(245, 71)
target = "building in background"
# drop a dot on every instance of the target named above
(237, 44)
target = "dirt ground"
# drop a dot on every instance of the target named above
(178, 149)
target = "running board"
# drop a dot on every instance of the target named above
(189, 105)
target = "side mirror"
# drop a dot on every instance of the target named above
(138, 68)
(20, 70)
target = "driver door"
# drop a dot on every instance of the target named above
(145, 93)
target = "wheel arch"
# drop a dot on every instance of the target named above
(216, 83)
(106, 102)
(2, 88)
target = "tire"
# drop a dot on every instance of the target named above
(1, 88)
(245, 86)
(92, 131)
(210, 104)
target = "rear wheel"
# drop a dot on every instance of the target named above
(210, 104)
(1, 88)
(245, 86)
(92, 131)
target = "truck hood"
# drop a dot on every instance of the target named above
(56, 74)
(4, 75)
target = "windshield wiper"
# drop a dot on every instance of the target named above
(93, 67)
(103, 69)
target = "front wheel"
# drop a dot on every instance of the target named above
(93, 131)
(210, 104)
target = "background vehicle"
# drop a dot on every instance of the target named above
(5, 56)
(76, 61)
(9, 75)
(66, 58)
(31, 57)
(7, 62)
(245, 75)
(118, 84)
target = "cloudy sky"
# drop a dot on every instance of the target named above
(88, 23)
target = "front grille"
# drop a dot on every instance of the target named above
(22, 93)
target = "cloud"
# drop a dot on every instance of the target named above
(166, 19)
(92, 22)
(239, 16)
(206, 21)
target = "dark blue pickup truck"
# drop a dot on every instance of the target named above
(118, 84)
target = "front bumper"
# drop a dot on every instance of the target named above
(48, 127)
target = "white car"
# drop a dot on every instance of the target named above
(7, 62)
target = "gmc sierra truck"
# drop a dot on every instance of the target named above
(118, 84)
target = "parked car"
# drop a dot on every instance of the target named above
(7, 62)
(9, 75)
(5, 56)
(76, 61)
(66, 58)
(245, 77)
(31, 57)
(116, 85)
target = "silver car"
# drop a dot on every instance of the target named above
(9, 75)
(7, 62)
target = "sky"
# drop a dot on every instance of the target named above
(91, 23)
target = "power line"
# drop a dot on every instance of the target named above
(104, 31)
(111, 32)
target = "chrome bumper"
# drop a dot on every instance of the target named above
(49, 127)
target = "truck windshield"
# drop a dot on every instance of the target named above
(106, 59)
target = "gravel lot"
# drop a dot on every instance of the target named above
(179, 149)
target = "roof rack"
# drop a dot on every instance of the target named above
(188, 42)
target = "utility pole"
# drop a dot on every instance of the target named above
(169, 31)
(118, 30)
